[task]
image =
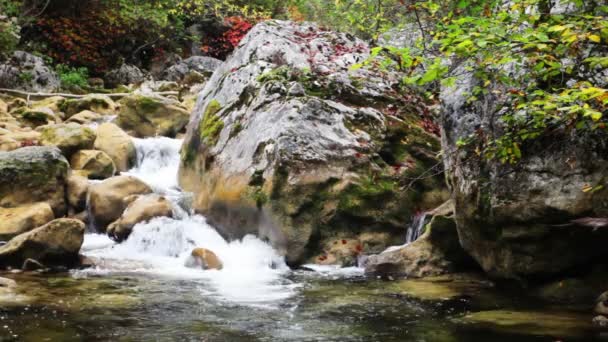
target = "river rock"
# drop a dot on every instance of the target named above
(335, 159)
(34, 174)
(21, 219)
(77, 188)
(53, 103)
(85, 117)
(205, 259)
(436, 252)
(55, 244)
(68, 137)
(126, 74)
(151, 116)
(601, 304)
(184, 69)
(94, 164)
(106, 199)
(112, 140)
(516, 220)
(100, 104)
(40, 77)
(17, 137)
(35, 117)
(141, 209)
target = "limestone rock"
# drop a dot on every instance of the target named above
(117, 144)
(181, 71)
(141, 209)
(69, 137)
(151, 116)
(35, 117)
(94, 164)
(40, 77)
(101, 104)
(205, 259)
(85, 117)
(77, 188)
(33, 174)
(21, 219)
(106, 199)
(124, 75)
(264, 157)
(55, 244)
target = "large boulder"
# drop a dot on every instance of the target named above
(100, 104)
(14, 137)
(126, 74)
(190, 68)
(107, 200)
(77, 189)
(33, 174)
(25, 71)
(519, 220)
(288, 142)
(147, 116)
(117, 144)
(93, 164)
(142, 209)
(55, 244)
(35, 117)
(21, 219)
(69, 137)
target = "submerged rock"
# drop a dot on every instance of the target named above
(34, 174)
(141, 209)
(21, 219)
(55, 244)
(205, 259)
(151, 116)
(302, 167)
(107, 199)
(117, 144)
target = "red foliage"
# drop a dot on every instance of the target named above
(221, 46)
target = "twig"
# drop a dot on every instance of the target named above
(75, 96)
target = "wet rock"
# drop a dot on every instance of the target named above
(34, 174)
(151, 116)
(334, 161)
(343, 252)
(21, 219)
(600, 321)
(32, 265)
(124, 75)
(55, 244)
(39, 77)
(436, 252)
(601, 304)
(94, 164)
(205, 259)
(140, 209)
(117, 144)
(100, 104)
(69, 137)
(77, 188)
(204, 66)
(106, 199)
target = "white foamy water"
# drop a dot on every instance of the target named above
(414, 231)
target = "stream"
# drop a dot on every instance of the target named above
(140, 290)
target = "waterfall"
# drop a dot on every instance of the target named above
(253, 272)
(413, 232)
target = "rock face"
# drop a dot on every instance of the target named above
(18, 220)
(94, 164)
(287, 143)
(69, 137)
(151, 116)
(205, 259)
(201, 65)
(38, 76)
(54, 244)
(33, 174)
(107, 199)
(515, 220)
(117, 144)
(142, 209)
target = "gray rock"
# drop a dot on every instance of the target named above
(201, 64)
(292, 167)
(25, 71)
(124, 75)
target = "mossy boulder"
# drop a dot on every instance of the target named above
(86, 117)
(21, 219)
(35, 117)
(344, 157)
(69, 137)
(33, 174)
(152, 116)
(112, 140)
(93, 164)
(101, 104)
(55, 244)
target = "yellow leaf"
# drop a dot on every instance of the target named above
(594, 38)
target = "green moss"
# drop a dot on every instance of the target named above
(236, 129)
(257, 195)
(367, 193)
(211, 125)
(280, 74)
(187, 155)
(147, 104)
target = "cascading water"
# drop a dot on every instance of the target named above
(413, 232)
(253, 272)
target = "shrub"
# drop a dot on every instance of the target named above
(72, 77)
(9, 36)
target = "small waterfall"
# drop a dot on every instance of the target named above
(413, 232)
(253, 272)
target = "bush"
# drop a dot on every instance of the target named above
(72, 77)
(9, 36)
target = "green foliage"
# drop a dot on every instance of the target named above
(211, 125)
(9, 35)
(72, 77)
